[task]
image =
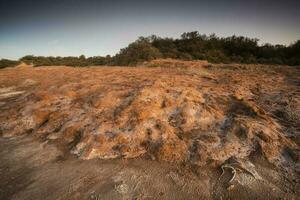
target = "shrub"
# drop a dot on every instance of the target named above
(8, 63)
(137, 52)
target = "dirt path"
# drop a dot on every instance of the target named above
(33, 170)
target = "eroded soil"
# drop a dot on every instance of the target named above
(185, 130)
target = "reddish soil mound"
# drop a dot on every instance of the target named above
(192, 113)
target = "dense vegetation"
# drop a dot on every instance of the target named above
(8, 63)
(193, 46)
(190, 46)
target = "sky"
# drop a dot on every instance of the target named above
(97, 27)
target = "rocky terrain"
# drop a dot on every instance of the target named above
(216, 131)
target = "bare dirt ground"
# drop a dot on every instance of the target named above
(166, 130)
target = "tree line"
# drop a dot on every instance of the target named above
(194, 46)
(73, 61)
(190, 46)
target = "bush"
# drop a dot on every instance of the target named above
(8, 63)
(184, 56)
(137, 52)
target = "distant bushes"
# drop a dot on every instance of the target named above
(8, 63)
(80, 61)
(190, 46)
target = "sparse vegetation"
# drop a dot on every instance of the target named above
(241, 120)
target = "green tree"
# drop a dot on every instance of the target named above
(138, 51)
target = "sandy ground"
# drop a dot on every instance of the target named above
(167, 130)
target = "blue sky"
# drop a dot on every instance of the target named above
(90, 27)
